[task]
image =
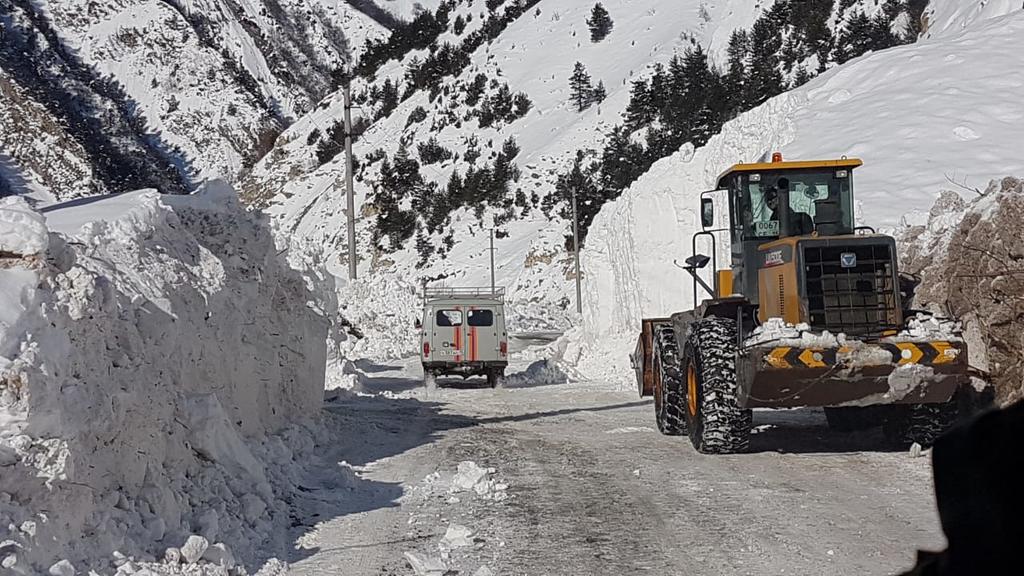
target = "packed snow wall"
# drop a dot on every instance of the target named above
(920, 116)
(146, 343)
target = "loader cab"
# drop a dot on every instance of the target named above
(771, 201)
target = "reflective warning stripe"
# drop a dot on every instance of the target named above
(903, 353)
(944, 352)
(472, 338)
(458, 339)
(777, 358)
(812, 358)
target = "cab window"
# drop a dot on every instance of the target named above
(448, 318)
(480, 318)
(794, 203)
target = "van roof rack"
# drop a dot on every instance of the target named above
(449, 293)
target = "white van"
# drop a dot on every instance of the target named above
(463, 334)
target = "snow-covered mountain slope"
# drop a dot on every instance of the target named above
(215, 81)
(949, 17)
(534, 55)
(148, 346)
(920, 116)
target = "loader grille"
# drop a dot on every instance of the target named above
(855, 296)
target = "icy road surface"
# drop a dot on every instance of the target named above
(582, 483)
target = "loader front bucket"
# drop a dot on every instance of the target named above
(855, 374)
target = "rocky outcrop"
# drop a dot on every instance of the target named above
(969, 257)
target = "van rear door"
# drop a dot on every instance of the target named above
(448, 334)
(484, 335)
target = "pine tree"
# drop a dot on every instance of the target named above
(600, 23)
(580, 87)
(424, 247)
(522, 105)
(622, 161)
(600, 93)
(736, 76)
(802, 76)
(764, 78)
(639, 111)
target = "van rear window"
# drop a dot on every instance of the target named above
(481, 318)
(448, 318)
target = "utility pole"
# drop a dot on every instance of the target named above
(492, 261)
(576, 251)
(349, 186)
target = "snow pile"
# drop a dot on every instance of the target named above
(967, 256)
(924, 130)
(776, 331)
(542, 372)
(22, 229)
(143, 365)
(385, 313)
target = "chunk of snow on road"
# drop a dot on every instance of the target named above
(423, 565)
(456, 536)
(62, 568)
(468, 476)
(629, 430)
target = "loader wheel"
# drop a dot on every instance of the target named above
(920, 423)
(495, 378)
(668, 387)
(714, 418)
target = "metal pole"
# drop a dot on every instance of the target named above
(349, 186)
(492, 261)
(576, 250)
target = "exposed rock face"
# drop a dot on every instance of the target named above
(970, 258)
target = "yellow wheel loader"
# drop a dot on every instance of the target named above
(807, 310)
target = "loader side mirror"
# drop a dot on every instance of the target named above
(707, 212)
(697, 261)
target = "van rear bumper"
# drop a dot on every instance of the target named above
(466, 369)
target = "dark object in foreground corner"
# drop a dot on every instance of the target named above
(978, 490)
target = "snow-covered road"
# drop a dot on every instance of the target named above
(592, 488)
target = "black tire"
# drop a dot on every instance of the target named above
(850, 419)
(714, 418)
(495, 378)
(920, 423)
(668, 389)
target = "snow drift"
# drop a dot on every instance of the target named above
(919, 115)
(144, 358)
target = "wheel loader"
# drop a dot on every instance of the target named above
(808, 310)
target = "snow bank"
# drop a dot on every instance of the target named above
(144, 363)
(967, 256)
(22, 230)
(924, 128)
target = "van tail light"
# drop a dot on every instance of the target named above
(426, 349)
(504, 348)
